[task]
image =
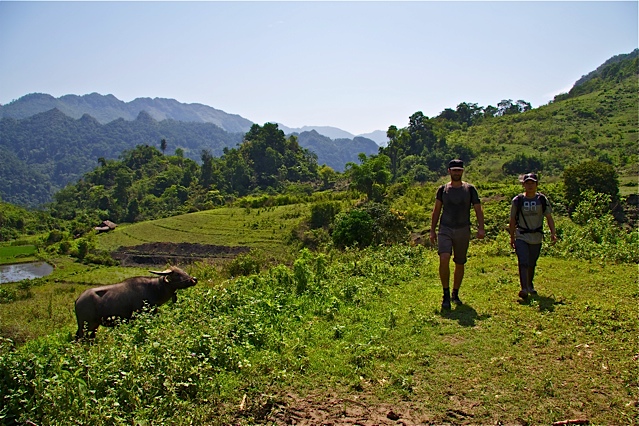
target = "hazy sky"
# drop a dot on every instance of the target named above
(360, 66)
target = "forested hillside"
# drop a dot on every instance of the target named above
(145, 184)
(596, 120)
(50, 150)
(334, 152)
(43, 153)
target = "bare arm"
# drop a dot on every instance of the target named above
(551, 225)
(434, 219)
(479, 212)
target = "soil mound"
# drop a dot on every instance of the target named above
(174, 253)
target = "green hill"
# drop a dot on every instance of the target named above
(597, 119)
(602, 124)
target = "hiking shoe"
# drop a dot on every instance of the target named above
(523, 294)
(532, 291)
(446, 304)
(456, 300)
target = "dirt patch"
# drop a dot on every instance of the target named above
(332, 409)
(174, 253)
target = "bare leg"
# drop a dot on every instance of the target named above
(459, 276)
(444, 269)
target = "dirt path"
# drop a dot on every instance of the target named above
(329, 408)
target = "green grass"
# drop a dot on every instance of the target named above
(359, 325)
(17, 254)
(264, 228)
(560, 134)
(365, 325)
(628, 185)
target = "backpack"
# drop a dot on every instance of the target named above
(519, 202)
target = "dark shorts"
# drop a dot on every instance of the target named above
(454, 241)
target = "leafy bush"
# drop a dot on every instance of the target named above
(370, 224)
(593, 205)
(389, 224)
(353, 228)
(594, 175)
(522, 163)
(594, 233)
(99, 257)
(23, 292)
(8, 295)
(323, 214)
(246, 264)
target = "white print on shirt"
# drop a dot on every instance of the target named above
(530, 205)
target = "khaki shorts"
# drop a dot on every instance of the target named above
(454, 241)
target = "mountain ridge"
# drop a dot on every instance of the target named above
(106, 108)
(42, 153)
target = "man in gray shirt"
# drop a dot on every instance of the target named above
(454, 199)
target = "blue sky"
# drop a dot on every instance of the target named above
(360, 66)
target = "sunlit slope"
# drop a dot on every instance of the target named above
(264, 228)
(598, 125)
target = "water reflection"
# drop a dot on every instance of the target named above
(23, 271)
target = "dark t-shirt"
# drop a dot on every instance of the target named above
(456, 203)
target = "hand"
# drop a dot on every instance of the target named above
(512, 241)
(553, 238)
(433, 237)
(481, 233)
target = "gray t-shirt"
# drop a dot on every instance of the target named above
(531, 217)
(456, 203)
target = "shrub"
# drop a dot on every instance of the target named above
(353, 228)
(246, 264)
(389, 224)
(55, 236)
(8, 295)
(100, 257)
(522, 163)
(594, 175)
(372, 223)
(593, 205)
(594, 234)
(323, 214)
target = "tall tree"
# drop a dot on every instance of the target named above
(370, 176)
(206, 171)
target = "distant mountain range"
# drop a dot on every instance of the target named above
(47, 143)
(378, 136)
(107, 108)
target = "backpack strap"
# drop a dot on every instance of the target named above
(544, 202)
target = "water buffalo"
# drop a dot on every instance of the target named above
(100, 305)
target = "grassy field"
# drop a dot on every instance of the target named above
(356, 326)
(264, 228)
(17, 254)
(330, 337)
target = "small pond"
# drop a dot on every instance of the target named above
(23, 271)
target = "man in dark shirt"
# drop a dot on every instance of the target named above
(455, 199)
